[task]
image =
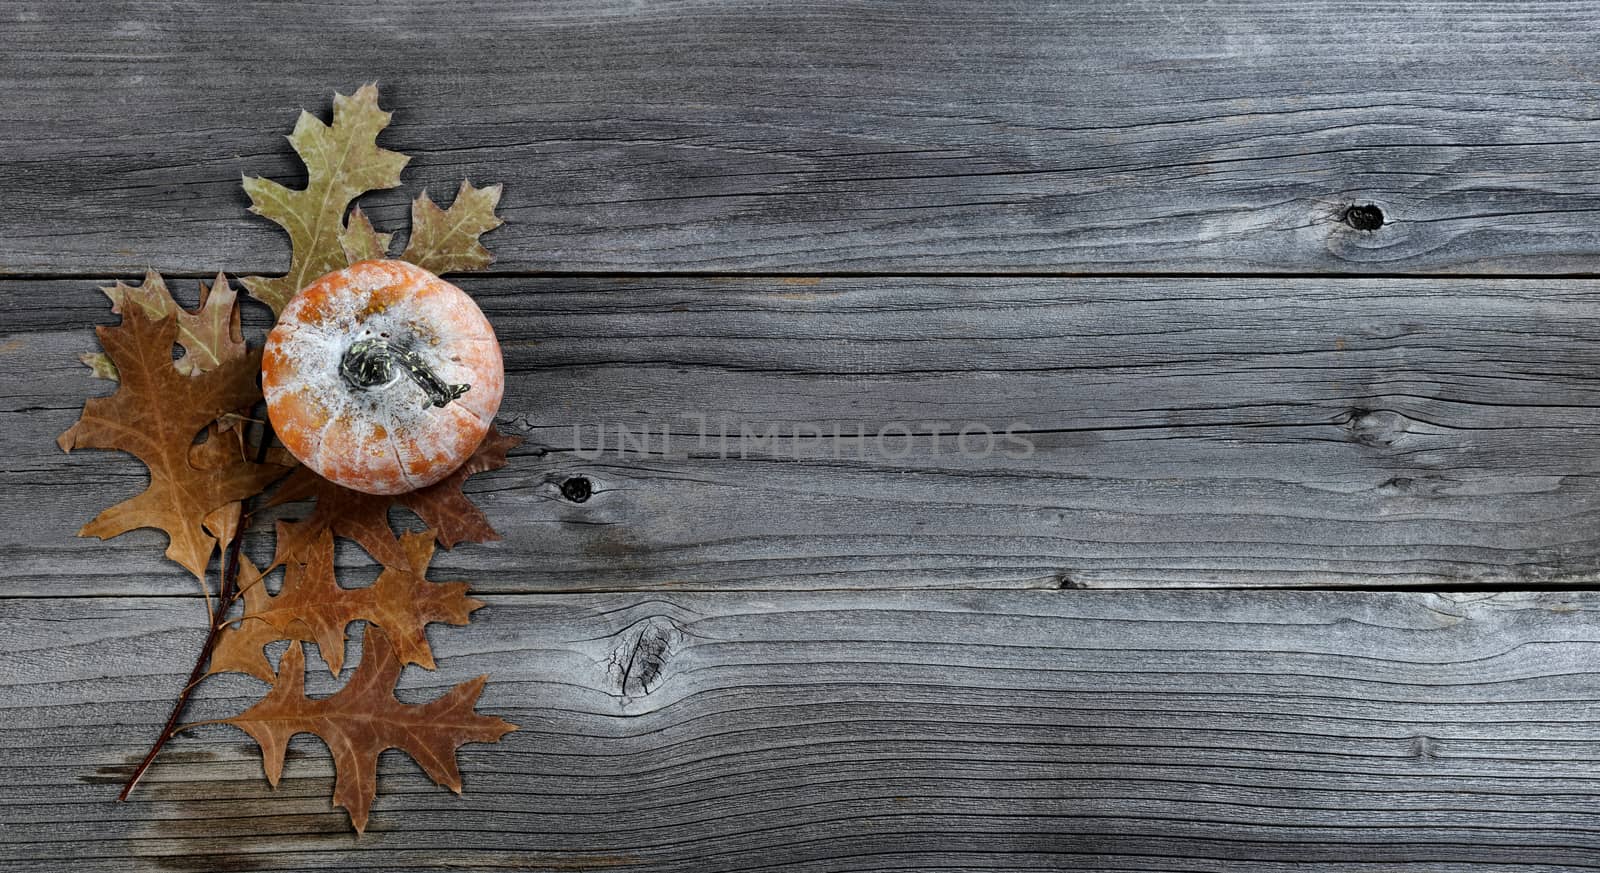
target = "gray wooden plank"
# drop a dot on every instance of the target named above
(905, 136)
(821, 731)
(1258, 432)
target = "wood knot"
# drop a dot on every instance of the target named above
(1379, 428)
(639, 661)
(1424, 748)
(577, 489)
(1395, 486)
(1363, 217)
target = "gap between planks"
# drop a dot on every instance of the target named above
(468, 278)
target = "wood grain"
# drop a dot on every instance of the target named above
(1217, 432)
(815, 654)
(905, 136)
(1195, 731)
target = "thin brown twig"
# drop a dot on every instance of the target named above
(227, 593)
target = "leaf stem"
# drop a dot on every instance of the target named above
(227, 592)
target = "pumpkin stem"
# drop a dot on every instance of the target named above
(370, 363)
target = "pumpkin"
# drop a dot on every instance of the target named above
(382, 377)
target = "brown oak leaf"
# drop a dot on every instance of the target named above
(446, 240)
(402, 601)
(362, 719)
(365, 517)
(240, 646)
(155, 415)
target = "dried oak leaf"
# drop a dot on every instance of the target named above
(155, 415)
(361, 241)
(446, 240)
(99, 365)
(209, 333)
(240, 646)
(343, 161)
(402, 601)
(364, 718)
(365, 517)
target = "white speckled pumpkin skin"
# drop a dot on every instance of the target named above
(387, 439)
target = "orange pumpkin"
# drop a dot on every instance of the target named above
(382, 377)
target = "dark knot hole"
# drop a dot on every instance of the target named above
(1365, 216)
(577, 489)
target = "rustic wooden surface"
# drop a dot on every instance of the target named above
(903, 136)
(1121, 224)
(815, 731)
(1283, 432)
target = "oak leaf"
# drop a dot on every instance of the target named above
(209, 333)
(99, 365)
(364, 718)
(155, 415)
(343, 161)
(402, 601)
(365, 517)
(223, 447)
(446, 240)
(240, 646)
(361, 241)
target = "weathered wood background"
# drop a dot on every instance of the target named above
(1298, 572)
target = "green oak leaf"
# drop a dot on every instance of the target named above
(210, 333)
(361, 241)
(343, 161)
(446, 240)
